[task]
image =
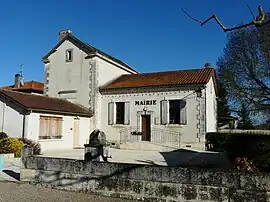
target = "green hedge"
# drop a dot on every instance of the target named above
(255, 147)
(11, 145)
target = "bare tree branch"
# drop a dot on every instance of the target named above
(259, 21)
(251, 12)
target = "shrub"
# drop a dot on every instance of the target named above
(254, 147)
(32, 144)
(11, 145)
(3, 135)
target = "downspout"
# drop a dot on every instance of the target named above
(205, 120)
(23, 130)
(3, 116)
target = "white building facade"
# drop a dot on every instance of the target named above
(54, 123)
(177, 111)
(173, 116)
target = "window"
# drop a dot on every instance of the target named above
(69, 55)
(177, 112)
(50, 127)
(120, 112)
(174, 111)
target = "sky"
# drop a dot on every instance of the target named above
(149, 35)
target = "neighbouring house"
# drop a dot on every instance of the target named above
(33, 87)
(54, 123)
(174, 108)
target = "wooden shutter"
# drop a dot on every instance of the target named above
(53, 127)
(111, 113)
(42, 127)
(183, 112)
(127, 113)
(164, 112)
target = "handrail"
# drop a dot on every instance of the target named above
(158, 135)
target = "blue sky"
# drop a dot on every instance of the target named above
(149, 35)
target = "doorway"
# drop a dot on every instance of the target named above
(76, 133)
(146, 128)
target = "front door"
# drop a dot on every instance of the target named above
(146, 128)
(76, 133)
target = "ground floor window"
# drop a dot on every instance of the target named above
(120, 112)
(174, 111)
(177, 112)
(50, 127)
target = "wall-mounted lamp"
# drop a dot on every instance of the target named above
(199, 92)
(145, 109)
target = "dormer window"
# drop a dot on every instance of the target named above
(69, 55)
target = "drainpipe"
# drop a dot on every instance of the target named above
(23, 129)
(205, 119)
(25, 123)
(3, 116)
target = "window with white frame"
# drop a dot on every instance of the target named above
(118, 113)
(173, 112)
(50, 127)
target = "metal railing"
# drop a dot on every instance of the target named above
(159, 136)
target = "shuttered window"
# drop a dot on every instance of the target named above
(177, 112)
(120, 112)
(50, 127)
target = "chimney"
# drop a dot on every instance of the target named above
(62, 34)
(207, 65)
(17, 81)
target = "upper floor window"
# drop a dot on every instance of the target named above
(69, 55)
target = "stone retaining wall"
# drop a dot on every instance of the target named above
(145, 182)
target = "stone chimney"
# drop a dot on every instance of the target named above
(207, 65)
(62, 34)
(17, 81)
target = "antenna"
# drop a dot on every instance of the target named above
(21, 73)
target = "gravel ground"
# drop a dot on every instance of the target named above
(10, 192)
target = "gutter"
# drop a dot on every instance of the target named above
(63, 113)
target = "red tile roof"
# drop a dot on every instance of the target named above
(30, 86)
(169, 78)
(42, 103)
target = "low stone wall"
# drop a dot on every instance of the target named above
(144, 182)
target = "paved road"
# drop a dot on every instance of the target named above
(10, 192)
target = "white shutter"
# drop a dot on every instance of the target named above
(183, 112)
(127, 113)
(111, 113)
(164, 112)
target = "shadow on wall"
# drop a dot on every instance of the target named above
(189, 158)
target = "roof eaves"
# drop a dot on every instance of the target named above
(45, 58)
(13, 100)
(90, 114)
(103, 89)
(88, 49)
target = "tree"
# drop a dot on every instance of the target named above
(258, 21)
(245, 68)
(223, 111)
(245, 120)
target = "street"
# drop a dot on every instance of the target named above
(10, 192)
